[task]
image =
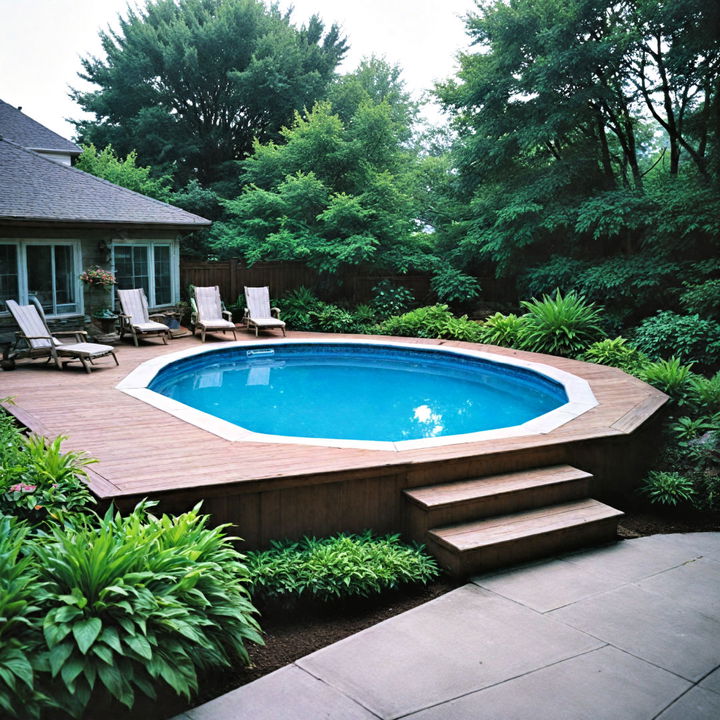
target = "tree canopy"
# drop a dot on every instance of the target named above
(189, 84)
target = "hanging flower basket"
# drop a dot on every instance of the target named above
(96, 277)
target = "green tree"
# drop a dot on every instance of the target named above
(107, 165)
(331, 195)
(190, 83)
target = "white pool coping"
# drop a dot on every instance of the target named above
(580, 399)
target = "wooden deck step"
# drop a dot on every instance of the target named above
(463, 500)
(493, 542)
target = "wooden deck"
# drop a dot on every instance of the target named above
(283, 489)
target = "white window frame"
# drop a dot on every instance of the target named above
(22, 246)
(150, 246)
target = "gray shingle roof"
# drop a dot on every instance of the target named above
(35, 188)
(18, 127)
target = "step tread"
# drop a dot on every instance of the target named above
(436, 496)
(505, 528)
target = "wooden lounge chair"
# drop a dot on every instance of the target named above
(36, 341)
(258, 313)
(135, 317)
(209, 313)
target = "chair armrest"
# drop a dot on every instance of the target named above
(227, 315)
(275, 312)
(79, 335)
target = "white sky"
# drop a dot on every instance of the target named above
(41, 42)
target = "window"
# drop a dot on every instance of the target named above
(148, 267)
(42, 270)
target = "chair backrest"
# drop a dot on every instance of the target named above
(134, 304)
(208, 303)
(258, 302)
(30, 323)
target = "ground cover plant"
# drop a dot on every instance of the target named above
(337, 567)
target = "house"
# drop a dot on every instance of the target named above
(56, 221)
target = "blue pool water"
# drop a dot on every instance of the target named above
(357, 392)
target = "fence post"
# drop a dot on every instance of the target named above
(232, 271)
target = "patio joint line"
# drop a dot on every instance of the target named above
(685, 692)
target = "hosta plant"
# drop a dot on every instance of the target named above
(135, 602)
(22, 657)
(561, 325)
(667, 488)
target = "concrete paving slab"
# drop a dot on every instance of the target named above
(650, 626)
(712, 682)
(547, 585)
(633, 560)
(287, 694)
(697, 704)
(706, 544)
(460, 642)
(702, 575)
(605, 684)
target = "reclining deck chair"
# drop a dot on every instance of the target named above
(135, 317)
(258, 313)
(209, 313)
(36, 341)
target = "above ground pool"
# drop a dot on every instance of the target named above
(357, 394)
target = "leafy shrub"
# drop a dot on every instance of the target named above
(617, 353)
(425, 322)
(297, 308)
(503, 330)
(462, 328)
(702, 299)
(561, 325)
(364, 316)
(670, 376)
(687, 337)
(338, 567)
(667, 488)
(451, 285)
(389, 299)
(703, 394)
(707, 491)
(331, 319)
(686, 429)
(135, 601)
(21, 656)
(37, 479)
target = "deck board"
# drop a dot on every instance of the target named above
(141, 449)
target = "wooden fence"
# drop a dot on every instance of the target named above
(231, 276)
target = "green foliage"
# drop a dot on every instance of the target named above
(341, 566)
(332, 195)
(619, 353)
(107, 165)
(191, 83)
(364, 317)
(702, 298)
(561, 325)
(298, 307)
(703, 394)
(389, 299)
(451, 285)
(503, 330)
(332, 319)
(670, 376)
(134, 602)
(37, 480)
(21, 657)
(667, 488)
(426, 322)
(687, 337)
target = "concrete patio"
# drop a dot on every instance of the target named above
(628, 631)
